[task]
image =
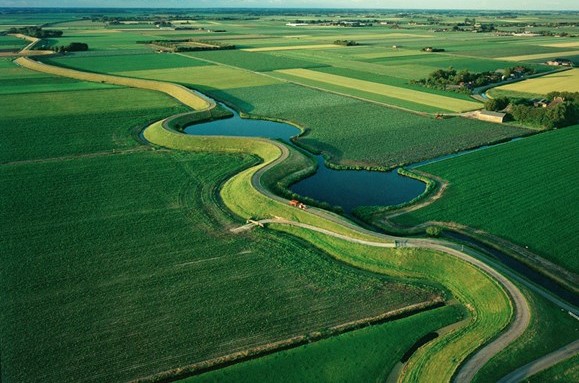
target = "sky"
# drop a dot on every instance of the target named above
(395, 4)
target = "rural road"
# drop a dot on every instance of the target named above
(479, 358)
(542, 363)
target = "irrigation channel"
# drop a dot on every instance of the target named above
(350, 189)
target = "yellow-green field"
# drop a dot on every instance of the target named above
(574, 44)
(292, 47)
(538, 56)
(567, 81)
(423, 98)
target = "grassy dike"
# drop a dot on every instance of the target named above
(489, 306)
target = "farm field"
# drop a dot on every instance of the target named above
(131, 250)
(10, 44)
(567, 81)
(364, 355)
(507, 176)
(447, 103)
(391, 137)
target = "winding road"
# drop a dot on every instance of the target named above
(473, 364)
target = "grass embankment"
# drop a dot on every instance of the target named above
(365, 355)
(550, 329)
(490, 308)
(509, 191)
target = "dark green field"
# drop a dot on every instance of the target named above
(524, 191)
(365, 355)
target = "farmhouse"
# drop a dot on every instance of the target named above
(560, 62)
(487, 115)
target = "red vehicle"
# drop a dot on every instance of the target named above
(298, 204)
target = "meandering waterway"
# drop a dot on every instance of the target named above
(348, 189)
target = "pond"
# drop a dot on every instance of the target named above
(348, 189)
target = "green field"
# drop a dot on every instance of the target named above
(510, 191)
(259, 62)
(415, 96)
(11, 44)
(54, 124)
(365, 355)
(390, 137)
(567, 81)
(165, 285)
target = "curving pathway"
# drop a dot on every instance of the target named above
(541, 364)
(190, 98)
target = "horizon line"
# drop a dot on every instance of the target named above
(299, 8)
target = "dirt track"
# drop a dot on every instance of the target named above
(541, 364)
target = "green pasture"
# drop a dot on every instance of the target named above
(391, 80)
(255, 61)
(353, 132)
(365, 355)
(523, 191)
(11, 43)
(101, 40)
(125, 63)
(398, 96)
(18, 80)
(383, 98)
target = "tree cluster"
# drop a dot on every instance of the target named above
(72, 47)
(464, 80)
(348, 43)
(497, 104)
(37, 32)
(562, 110)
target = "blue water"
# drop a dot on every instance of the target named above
(348, 189)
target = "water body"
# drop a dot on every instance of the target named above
(348, 189)
(354, 188)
